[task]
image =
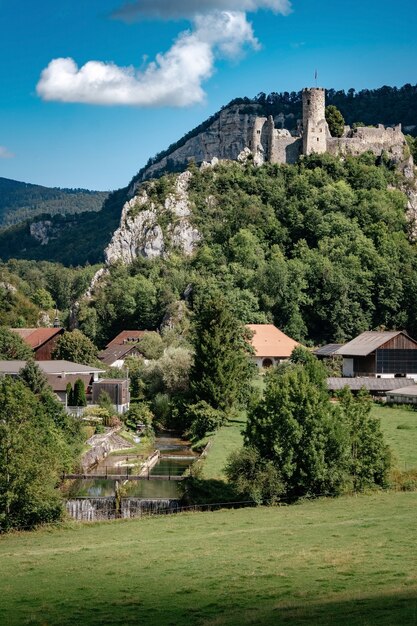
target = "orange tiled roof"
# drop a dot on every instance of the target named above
(36, 337)
(269, 341)
(126, 336)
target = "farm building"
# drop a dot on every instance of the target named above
(41, 340)
(114, 356)
(271, 345)
(118, 390)
(385, 354)
(379, 387)
(126, 336)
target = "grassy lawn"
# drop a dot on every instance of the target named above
(400, 430)
(224, 441)
(345, 561)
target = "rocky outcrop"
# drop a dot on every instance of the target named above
(229, 134)
(141, 231)
(41, 231)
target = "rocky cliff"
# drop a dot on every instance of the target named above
(150, 228)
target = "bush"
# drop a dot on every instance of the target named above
(203, 419)
(138, 415)
(252, 476)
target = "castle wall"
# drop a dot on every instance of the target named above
(285, 148)
(376, 140)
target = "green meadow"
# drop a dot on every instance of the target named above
(350, 560)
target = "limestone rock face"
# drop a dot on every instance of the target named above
(412, 214)
(224, 139)
(141, 234)
(41, 231)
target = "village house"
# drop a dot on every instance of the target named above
(41, 340)
(123, 345)
(60, 373)
(380, 354)
(271, 346)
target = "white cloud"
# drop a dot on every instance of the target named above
(5, 153)
(174, 9)
(173, 79)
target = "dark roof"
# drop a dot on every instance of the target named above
(369, 383)
(126, 336)
(36, 337)
(114, 353)
(328, 350)
(59, 382)
(368, 342)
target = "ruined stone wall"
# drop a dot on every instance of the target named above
(376, 140)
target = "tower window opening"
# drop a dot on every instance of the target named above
(318, 138)
(259, 132)
(308, 102)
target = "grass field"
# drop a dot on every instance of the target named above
(400, 430)
(345, 561)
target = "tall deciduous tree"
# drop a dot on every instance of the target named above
(294, 427)
(222, 370)
(31, 448)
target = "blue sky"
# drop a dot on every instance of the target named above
(65, 123)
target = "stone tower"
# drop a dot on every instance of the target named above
(315, 127)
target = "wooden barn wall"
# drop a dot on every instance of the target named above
(364, 364)
(400, 342)
(44, 352)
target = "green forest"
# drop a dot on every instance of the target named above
(22, 201)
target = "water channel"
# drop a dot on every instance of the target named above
(176, 457)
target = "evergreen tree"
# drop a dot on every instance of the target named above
(79, 398)
(33, 377)
(70, 394)
(221, 373)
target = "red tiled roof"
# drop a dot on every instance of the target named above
(126, 336)
(36, 337)
(269, 341)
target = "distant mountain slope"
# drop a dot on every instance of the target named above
(21, 201)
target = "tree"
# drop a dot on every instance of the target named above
(335, 120)
(369, 459)
(294, 426)
(31, 448)
(43, 299)
(222, 371)
(79, 398)
(70, 394)
(76, 347)
(12, 347)
(151, 345)
(33, 377)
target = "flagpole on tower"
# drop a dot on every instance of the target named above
(315, 77)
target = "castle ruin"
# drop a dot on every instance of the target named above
(277, 145)
(238, 134)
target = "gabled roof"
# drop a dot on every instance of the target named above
(126, 336)
(269, 341)
(410, 390)
(328, 350)
(115, 352)
(36, 337)
(368, 342)
(369, 383)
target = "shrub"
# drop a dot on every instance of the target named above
(203, 418)
(252, 476)
(138, 415)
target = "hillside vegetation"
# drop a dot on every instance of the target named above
(344, 561)
(321, 248)
(21, 201)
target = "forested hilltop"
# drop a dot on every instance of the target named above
(21, 201)
(322, 248)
